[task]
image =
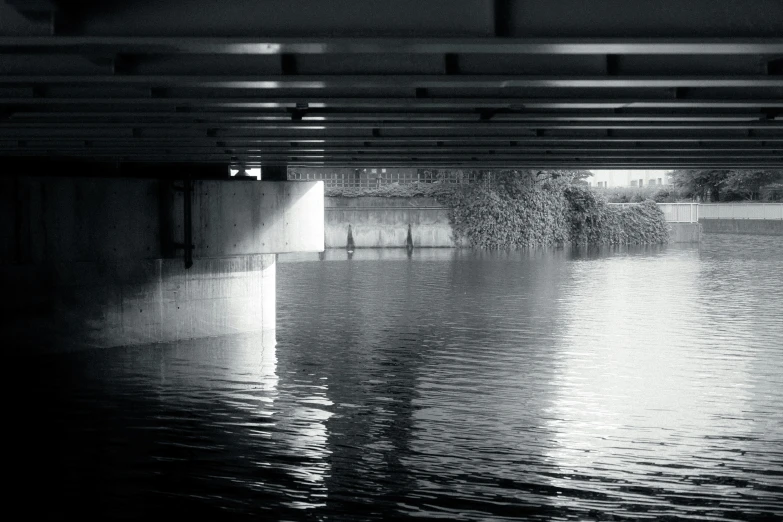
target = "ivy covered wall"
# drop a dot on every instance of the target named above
(514, 208)
(518, 209)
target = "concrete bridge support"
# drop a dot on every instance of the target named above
(88, 262)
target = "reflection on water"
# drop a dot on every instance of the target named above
(657, 389)
(625, 384)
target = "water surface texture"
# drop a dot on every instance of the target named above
(640, 383)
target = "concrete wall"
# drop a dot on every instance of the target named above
(88, 262)
(90, 218)
(74, 305)
(766, 227)
(250, 217)
(684, 232)
(378, 222)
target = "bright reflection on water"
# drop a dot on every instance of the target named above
(630, 384)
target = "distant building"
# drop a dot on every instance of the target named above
(629, 178)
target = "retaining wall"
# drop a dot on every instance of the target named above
(378, 222)
(684, 232)
(765, 227)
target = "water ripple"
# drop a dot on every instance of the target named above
(594, 384)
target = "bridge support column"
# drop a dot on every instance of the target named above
(89, 262)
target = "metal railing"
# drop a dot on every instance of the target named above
(363, 179)
(693, 212)
(680, 212)
(741, 211)
(674, 212)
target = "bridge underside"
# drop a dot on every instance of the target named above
(482, 83)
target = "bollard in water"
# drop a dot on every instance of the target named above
(350, 245)
(409, 241)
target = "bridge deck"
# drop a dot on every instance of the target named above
(533, 83)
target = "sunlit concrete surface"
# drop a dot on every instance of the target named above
(99, 262)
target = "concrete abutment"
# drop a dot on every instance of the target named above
(89, 262)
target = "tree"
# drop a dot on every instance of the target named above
(728, 185)
(701, 183)
(748, 184)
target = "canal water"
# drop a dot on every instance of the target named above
(639, 383)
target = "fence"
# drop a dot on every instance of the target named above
(674, 212)
(680, 212)
(373, 178)
(693, 212)
(741, 211)
(335, 179)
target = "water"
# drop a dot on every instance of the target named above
(606, 384)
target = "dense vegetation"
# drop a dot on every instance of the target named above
(662, 194)
(517, 209)
(730, 185)
(705, 186)
(394, 190)
(509, 209)
(688, 185)
(593, 221)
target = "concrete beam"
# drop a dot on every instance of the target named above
(253, 217)
(486, 45)
(370, 81)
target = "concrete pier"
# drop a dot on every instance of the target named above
(101, 262)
